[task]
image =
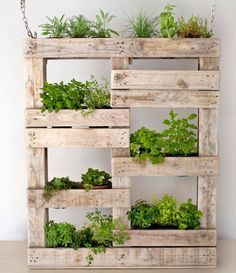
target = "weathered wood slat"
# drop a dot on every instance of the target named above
(103, 117)
(208, 146)
(125, 258)
(165, 79)
(109, 198)
(156, 98)
(35, 71)
(121, 182)
(172, 238)
(122, 47)
(172, 166)
(99, 138)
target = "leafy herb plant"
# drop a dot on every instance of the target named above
(195, 27)
(56, 185)
(75, 95)
(99, 235)
(95, 177)
(164, 213)
(143, 25)
(99, 28)
(56, 28)
(168, 24)
(78, 27)
(180, 138)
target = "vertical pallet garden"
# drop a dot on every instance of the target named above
(129, 88)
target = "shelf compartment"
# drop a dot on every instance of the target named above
(107, 198)
(97, 138)
(172, 166)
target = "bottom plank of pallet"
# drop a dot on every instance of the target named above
(172, 257)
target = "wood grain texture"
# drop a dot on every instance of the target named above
(122, 47)
(172, 166)
(98, 138)
(118, 181)
(165, 79)
(172, 238)
(99, 118)
(208, 146)
(35, 73)
(156, 98)
(109, 198)
(125, 258)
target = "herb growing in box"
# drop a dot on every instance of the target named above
(143, 25)
(97, 236)
(56, 28)
(168, 24)
(75, 95)
(96, 179)
(78, 27)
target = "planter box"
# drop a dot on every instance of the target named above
(109, 198)
(97, 138)
(124, 258)
(99, 118)
(172, 166)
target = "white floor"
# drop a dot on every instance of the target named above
(13, 260)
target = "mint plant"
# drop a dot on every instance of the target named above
(56, 28)
(95, 177)
(78, 27)
(143, 25)
(168, 24)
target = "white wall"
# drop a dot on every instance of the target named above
(73, 162)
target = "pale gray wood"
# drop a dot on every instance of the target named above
(100, 117)
(125, 258)
(165, 80)
(122, 47)
(156, 98)
(98, 138)
(106, 198)
(172, 166)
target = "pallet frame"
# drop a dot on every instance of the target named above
(129, 88)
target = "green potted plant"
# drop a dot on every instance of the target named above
(95, 179)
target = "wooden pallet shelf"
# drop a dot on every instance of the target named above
(183, 257)
(110, 198)
(109, 128)
(172, 166)
(97, 138)
(99, 118)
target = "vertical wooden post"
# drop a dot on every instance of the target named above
(37, 173)
(121, 182)
(208, 146)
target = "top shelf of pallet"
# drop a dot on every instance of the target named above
(122, 47)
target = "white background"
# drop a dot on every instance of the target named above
(69, 162)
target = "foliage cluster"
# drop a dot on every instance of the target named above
(86, 96)
(164, 214)
(179, 139)
(97, 236)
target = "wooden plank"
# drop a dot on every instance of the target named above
(81, 199)
(172, 166)
(122, 47)
(118, 181)
(165, 79)
(36, 167)
(182, 257)
(37, 175)
(98, 138)
(35, 71)
(156, 98)
(171, 238)
(208, 146)
(101, 117)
